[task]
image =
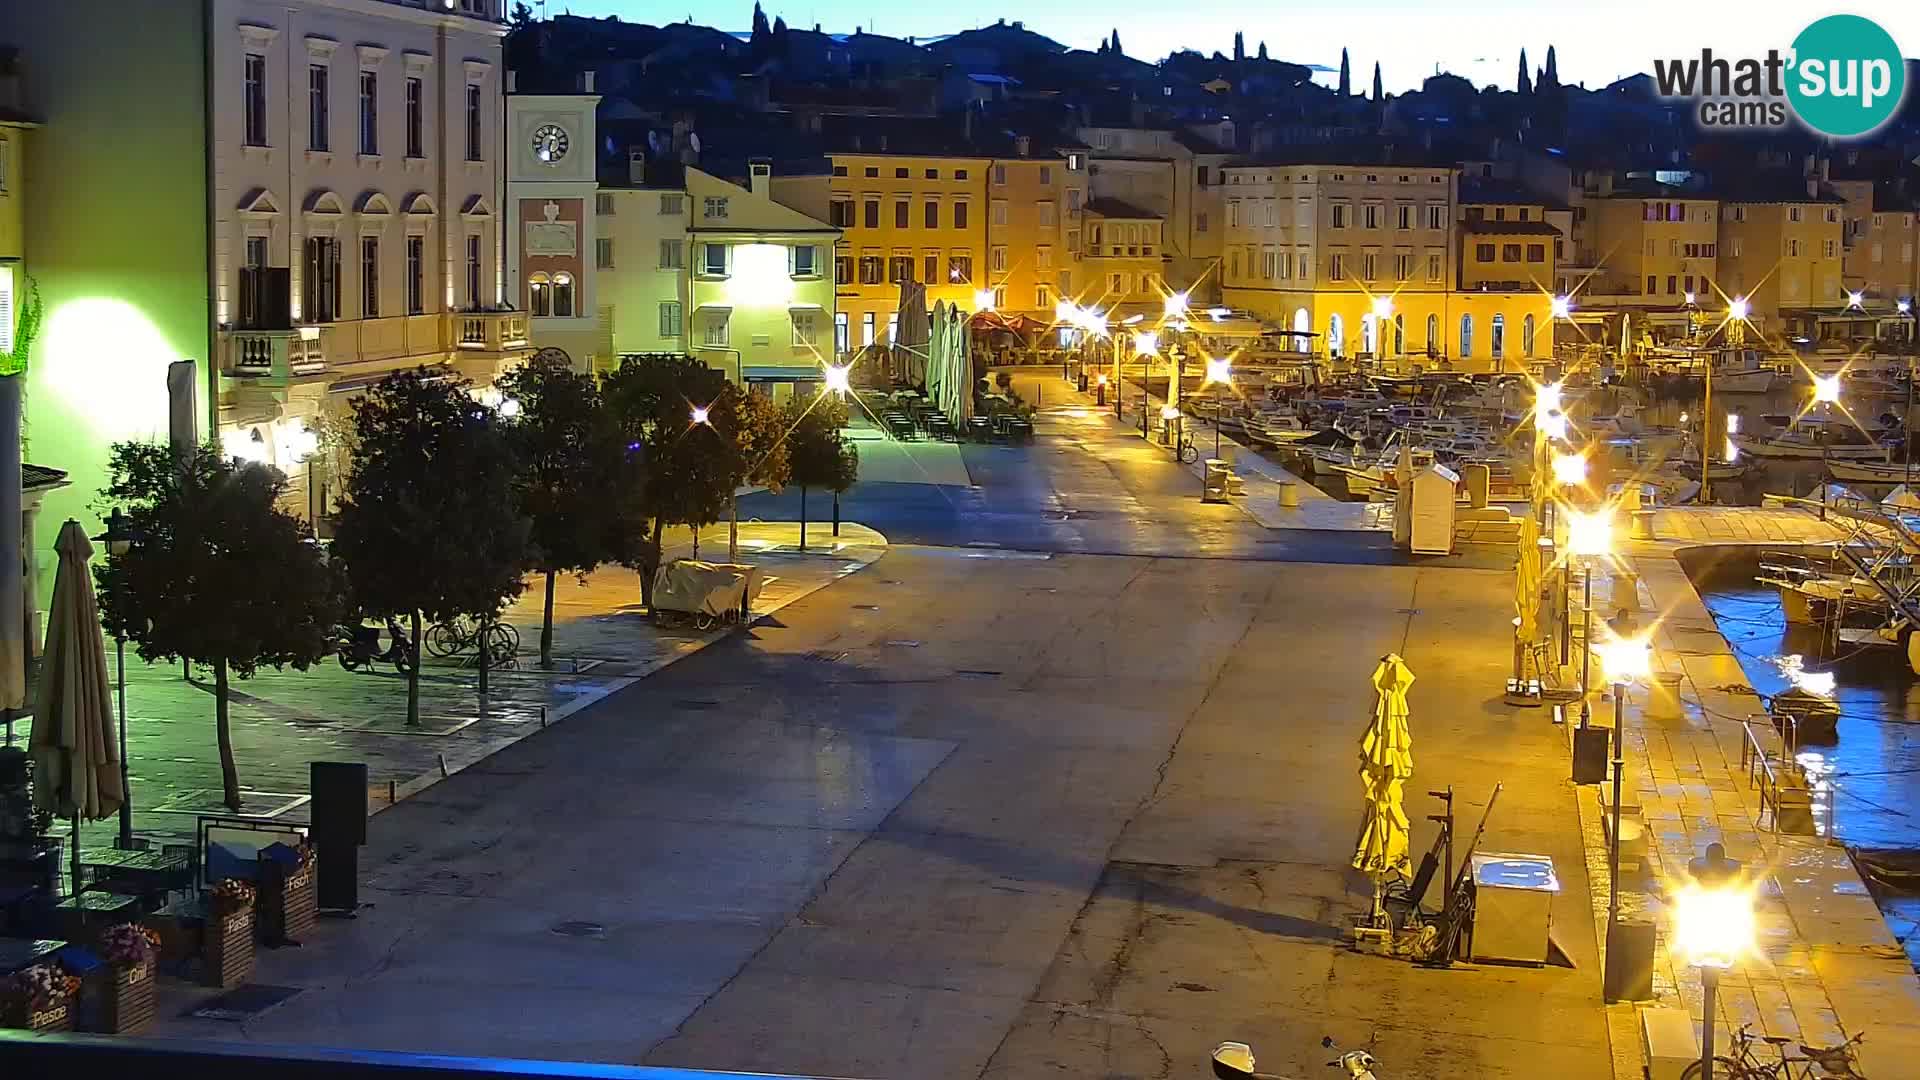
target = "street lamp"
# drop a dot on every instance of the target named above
(839, 379)
(1713, 927)
(1589, 537)
(1175, 305)
(1560, 307)
(1219, 373)
(119, 539)
(1856, 301)
(1569, 470)
(1626, 660)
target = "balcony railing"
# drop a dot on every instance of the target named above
(492, 331)
(272, 356)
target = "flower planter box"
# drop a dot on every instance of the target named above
(227, 949)
(129, 1000)
(289, 906)
(53, 1018)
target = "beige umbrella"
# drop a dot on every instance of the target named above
(1526, 598)
(1386, 763)
(76, 761)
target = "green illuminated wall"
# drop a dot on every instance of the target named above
(116, 230)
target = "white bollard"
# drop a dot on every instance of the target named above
(1289, 495)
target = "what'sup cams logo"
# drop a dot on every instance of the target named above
(1843, 77)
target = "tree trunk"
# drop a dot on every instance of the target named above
(413, 675)
(486, 653)
(650, 563)
(803, 517)
(836, 513)
(223, 732)
(546, 626)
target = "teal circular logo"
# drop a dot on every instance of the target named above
(1846, 77)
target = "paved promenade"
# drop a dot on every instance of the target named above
(1825, 962)
(284, 719)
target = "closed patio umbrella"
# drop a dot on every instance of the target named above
(1386, 763)
(1526, 598)
(76, 760)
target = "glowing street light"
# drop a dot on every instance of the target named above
(1905, 307)
(1627, 659)
(1382, 307)
(699, 414)
(1133, 320)
(1713, 927)
(509, 407)
(1064, 311)
(1168, 412)
(1546, 398)
(1219, 370)
(839, 378)
(1826, 389)
(1553, 425)
(1691, 299)
(1590, 535)
(1175, 305)
(1569, 470)
(1146, 342)
(983, 300)
(1856, 299)
(1561, 307)
(1738, 309)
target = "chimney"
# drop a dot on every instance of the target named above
(1813, 187)
(586, 82)
(513, 81)
(760, 178)
(1826, 169)
(636, 166)
(1022, 146)
(1606, 184)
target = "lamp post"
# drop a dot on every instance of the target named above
(1626, 661)
(1713, 926)
(1589, 537)
(1905, 307)
(1219, 374)
(119, 539)
(1826, 394)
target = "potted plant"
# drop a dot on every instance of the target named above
(289, 905)
(132, 953)
(38, 998)
(227, 948)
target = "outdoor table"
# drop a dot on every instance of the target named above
(18, 954)
(140, 872)
(82, 917)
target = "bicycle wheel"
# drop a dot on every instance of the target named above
(1724, 1068)
(512, 633)
(443, 640)
(403, 659)
(1189, 453)
(502, 645)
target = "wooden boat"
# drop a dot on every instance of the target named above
(1872, 472)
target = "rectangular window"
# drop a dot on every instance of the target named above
(1043, 257)
(1370, 214)
(1200, 221)
(806, 327)
(960, 215)
(871, 269)
(1404, 216)
(960, 269)
(6, 309)
(1339, 215)
(714, 208)
(1509, 252)
(1042, 298)
(603, 204)
(902, 212)
(1536, 253)
(999, 176)
(866, 329)
(713, 260)
(1793, 213)
(416, 275)
(1233, 213)
(1436, 271)
(1046, 215)
(716, 330)
(871, 214)
(1046, 175)
(900, 173)
(933, 174)
(316, 106)
(369, 113)
(930, 268)
(1337, 268)
(416, 119)
(805, 261)
(473, 122)
(843, 269)
(1653, 285)
(1436, 216)
(673, 254)
(321, 280)
(673, 203)
(1673, 284)
(899, 269)
(369, 277)
(1369, 266)
(602, 253)
(254, 104)
(1793, 246)
(998, 260)
(840, 213)
(1483, 252)
(473, 272)
(669, 318)
(842, 342)
(1832, 249)
(1403, 267)
(999, 212)
(933, 214)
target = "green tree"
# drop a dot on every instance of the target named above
(569, 454)
(1346, 76)
(823, 456)
(521, 17)
(428, 525)
(217, 574)
(675, 474)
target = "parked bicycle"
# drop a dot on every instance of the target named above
(358, 647)
(1189, 450)
(1812, 1062)
(462, 634)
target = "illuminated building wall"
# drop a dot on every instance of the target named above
(117, 227)
(1654, 245)
(1781, 253)
(1034, 205)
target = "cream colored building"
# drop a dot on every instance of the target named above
(552, 229)
(643, 278)
(1780, 250)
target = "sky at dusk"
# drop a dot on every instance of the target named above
(1596, 43)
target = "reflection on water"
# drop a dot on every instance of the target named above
(1872, 774)
(1763, 477)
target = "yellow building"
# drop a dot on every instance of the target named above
(13, 240)
(1877, 243)
(1780, 248)
(1654, 244)
(1123, 260)
(1034, 210)
(1328, 248)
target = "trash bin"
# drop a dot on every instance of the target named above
(1513, 907)
(1643, 525)
(1663, 697)
(1214, 485)
(1289, 494)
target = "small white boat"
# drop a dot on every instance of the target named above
(1799, 443)
(1744, 371)
(1871, 472)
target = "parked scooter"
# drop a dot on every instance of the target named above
(1234, 1061)
(359, 646)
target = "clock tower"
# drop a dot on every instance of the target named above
(550, 227)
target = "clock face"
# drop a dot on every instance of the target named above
(549, 144)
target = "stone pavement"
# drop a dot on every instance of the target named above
(281, 720)
(1825, 962)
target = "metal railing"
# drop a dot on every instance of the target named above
(1771, 778)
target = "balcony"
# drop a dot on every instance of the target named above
(272, 358)
(491, 331)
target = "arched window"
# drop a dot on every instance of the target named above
(1498, 338)
(1302, 326)
(563, 295)
(1336, 344)
(1433, 334)
(1399, 335)
(1526, 336)
(1369, 335)
(1466, 336)
(539, 295)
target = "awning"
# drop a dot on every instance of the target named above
(782, 373)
